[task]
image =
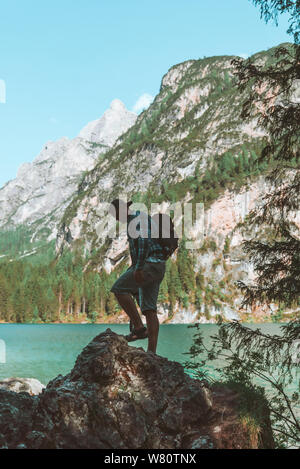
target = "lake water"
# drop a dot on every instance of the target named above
(43, 351)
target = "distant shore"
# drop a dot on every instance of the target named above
(282, 321)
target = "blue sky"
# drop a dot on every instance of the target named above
(64, 61)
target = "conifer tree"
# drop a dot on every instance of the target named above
(276, 258)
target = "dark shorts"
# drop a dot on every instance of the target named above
(145, 293)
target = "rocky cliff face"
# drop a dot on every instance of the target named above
(42, 189)
(121, 397)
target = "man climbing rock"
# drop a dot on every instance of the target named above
(142, 279)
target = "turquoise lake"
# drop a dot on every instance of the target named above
(43, 351)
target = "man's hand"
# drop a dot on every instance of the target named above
(139, 276)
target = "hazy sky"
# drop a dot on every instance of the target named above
(64, 61)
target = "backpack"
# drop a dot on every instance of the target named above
(165, 233)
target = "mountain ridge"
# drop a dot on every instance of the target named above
(44, 186)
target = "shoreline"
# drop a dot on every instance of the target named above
(127, 323)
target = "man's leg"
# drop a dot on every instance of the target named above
(127, 303)
(153, 329)
(148, 304)
(123, 289)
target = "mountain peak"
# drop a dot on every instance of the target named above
(115, 121)
(117, 105)
(53, 175)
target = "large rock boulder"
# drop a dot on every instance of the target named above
(118, 396)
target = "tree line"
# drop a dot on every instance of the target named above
(63, 290)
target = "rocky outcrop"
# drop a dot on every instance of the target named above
(118, 396)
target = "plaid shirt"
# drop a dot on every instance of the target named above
(143, 248)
